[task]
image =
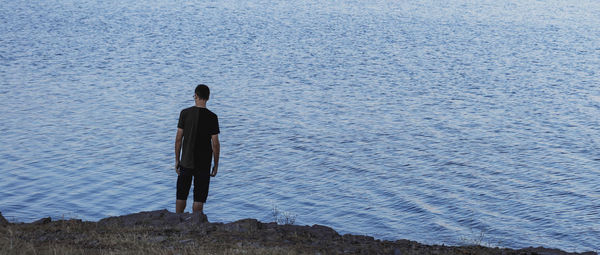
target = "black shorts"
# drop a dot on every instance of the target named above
(201, 180)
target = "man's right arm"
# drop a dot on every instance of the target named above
(178, 139)
(216, 148)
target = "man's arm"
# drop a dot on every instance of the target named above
(178, 139)
(216, 148)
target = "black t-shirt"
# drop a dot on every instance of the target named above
(198, 125)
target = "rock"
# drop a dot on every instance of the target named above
(397, 251)
(155, 218)
(92, 243)
(196, 218)
(544, 251)
(42, 221)
(323, 232)
(71, 221)
(245, 225)
(157, 239)
(3, 221)
(186, 241)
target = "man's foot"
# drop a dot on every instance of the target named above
(198, 206)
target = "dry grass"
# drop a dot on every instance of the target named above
(89, 238)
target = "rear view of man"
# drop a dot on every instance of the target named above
(198, 128)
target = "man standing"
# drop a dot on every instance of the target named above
(198, 127)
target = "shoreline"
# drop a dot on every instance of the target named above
(164, 232)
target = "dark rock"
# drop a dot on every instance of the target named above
(397, 251)
(269, 225)
(156, 218)
(92, 243)
(544, 251)
(3, 221)
(186, 241)
(323, 231)
(196, 218)
(245, 225)
(71, 221)
(42, 221)
(157, 239)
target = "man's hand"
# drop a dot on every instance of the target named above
(177, 167)
(214, 171)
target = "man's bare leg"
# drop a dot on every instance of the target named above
(198, 206)
(180, 206)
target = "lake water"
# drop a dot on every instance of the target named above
(435, 121)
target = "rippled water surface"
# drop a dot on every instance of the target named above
(434, 121)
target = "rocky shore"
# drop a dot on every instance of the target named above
(164, 232)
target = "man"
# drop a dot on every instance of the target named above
(198, 127)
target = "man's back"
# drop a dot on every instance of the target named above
(198, 125)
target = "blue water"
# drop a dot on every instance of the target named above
(433, 121)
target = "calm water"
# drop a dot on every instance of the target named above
(426, 120)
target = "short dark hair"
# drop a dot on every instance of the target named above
(202, 91)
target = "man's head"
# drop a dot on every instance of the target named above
(202, 92)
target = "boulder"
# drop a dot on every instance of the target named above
(3, 221)
(547, 251)
(323, 232)
(245, 225)
(42, 221)
(155, 218)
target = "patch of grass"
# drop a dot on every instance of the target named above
(89, 238)
(283, 217)
(474, 239)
